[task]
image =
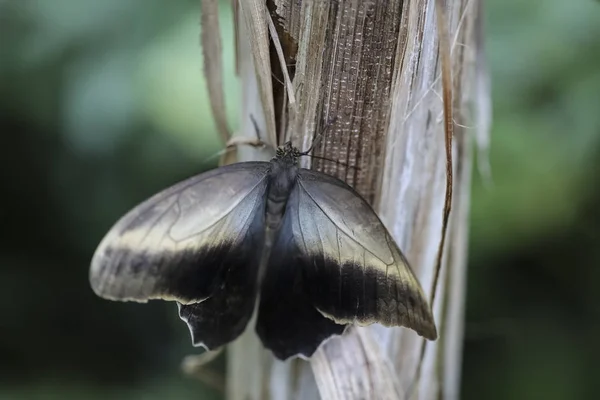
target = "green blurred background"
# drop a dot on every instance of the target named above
(102, 103)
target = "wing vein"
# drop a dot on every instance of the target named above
(217, 220)
(300, 226)
(338, 227)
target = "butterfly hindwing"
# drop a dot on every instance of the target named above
(223, 316)
(198, 243)
(338, 258)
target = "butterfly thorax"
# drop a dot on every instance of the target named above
(282, 178)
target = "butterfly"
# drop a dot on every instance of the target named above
(300, 248)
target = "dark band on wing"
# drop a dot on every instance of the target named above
(223, 317)
(288, 323)
(198, 272)
(180, 244)
(355, 293)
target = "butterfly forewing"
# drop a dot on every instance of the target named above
(374, 281)
(183, 243)
(337, 256)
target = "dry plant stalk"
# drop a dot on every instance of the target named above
(211, 52)
(370, 72)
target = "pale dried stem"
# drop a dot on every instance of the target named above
(374, 65)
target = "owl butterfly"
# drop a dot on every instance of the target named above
(299, 247)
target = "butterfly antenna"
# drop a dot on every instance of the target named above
(312, 145)
(318, 138)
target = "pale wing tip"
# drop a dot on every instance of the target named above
(105, 285)
(125, 288)
(423, 325)
(427, 330)
(97, 282)
(98, 275)
(108, 293)
(97, 278)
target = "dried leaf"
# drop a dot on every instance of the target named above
(447, 86)
(447, 97)
(213, 66)
(254, 12)
(291, 99)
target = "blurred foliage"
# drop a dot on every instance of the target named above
(533, 311)
(103, 103)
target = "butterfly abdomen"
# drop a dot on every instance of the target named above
(274, 212)
(282, 179)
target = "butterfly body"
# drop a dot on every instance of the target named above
(283, 173)
(301, 247)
